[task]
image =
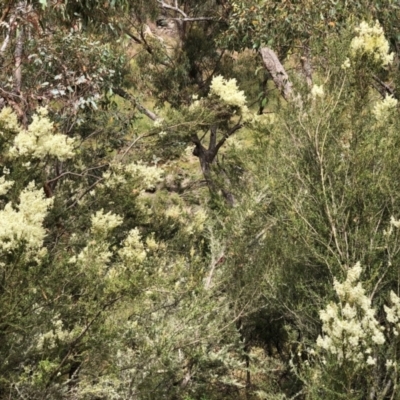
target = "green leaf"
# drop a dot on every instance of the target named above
(264, 102)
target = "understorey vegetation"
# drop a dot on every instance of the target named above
(199, 200)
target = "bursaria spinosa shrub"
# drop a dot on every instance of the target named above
(350, 327)
(143, 175)
(359, 339)
(24, 222)
(371, 42)
(39, 139)
(334, 167)
(104, 222)
(385, 108)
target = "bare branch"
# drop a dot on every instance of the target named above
(192, 19)
(145, 44)
(277, 71)
(7, 38)
(76, 174)
(133, 37)
(133, 143)
(127, 96)
(226, 136)
(18, 61)
(383, 88)
(173, 8)
(18, 54)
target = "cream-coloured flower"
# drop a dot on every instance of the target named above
(173, 212)
(24, 224)
(5, 185)
(8, 119)
(39, 140)
(151, 243)
(148, 175)
(371, 41)
(53, 337)
(317, 91)
(228, 91)
(384, 108)
(394, 222)
(390, 363)
(346, 64)
(158, 122)
(371, 360)
(103, 223)
(393, 313)
(350, 327)
(133, 250)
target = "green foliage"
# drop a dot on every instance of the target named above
(285, 25)
(211, 253)
(324, 193)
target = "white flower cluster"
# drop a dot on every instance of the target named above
(174, 212)
(371, 41)
(393, 313)
(112, 178)
(8, 119)
(96, 254)
(317, 91)
(5, 185)
(104, 223)
(228, 91)
(158, 122)
(197, 221)
(39, 140)
(26, 223)
(350, 327)
(147, 175)
(51, 338)
(346, 64)
(133, 249)
(384, 108)
(394, 222)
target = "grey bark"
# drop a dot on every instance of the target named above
(278, 73)
(18, 60)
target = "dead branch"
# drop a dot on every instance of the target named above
(18, 60)
(382, 87)
(173, 8)
(277, 71)
(192, 19)
(127, 96)
(7, 38)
